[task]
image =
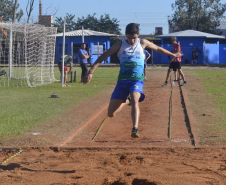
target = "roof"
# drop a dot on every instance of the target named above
(140, 36)
(86, 33)
(191, 33)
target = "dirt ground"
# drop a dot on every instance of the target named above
(168, 151)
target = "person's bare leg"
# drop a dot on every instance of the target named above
(145, 74)
(65, 78)
(168, 74)
(182, 74)
(175, 74)
(115, 106)
(135, 112)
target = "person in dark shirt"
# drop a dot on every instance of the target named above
(197, 52)
(147, 56)
(193, 56)
(83, 56)
(67, 58)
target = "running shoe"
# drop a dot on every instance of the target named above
(135, 133)
(183, 84)
(165, 84)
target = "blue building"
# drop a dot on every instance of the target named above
(97, 41)
(212, 47)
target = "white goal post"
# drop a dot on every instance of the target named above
(27, 54)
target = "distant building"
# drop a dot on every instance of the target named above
(212, 47)
(46, 20)
(97, 41)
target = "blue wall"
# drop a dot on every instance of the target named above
(156, 57)
(222, 51)
(89, 40)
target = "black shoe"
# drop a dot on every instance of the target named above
(135, 133)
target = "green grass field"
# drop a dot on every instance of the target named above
(22, 107)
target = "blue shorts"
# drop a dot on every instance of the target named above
(145, 65)
(125, 87)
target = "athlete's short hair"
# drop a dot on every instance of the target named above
(132, 28)
(173, 38)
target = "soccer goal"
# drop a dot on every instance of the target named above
(27, 54)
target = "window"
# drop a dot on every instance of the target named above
(101, 49)
(166, 41)
(211, 41)
(222, 41)
(76, 48)
(61, 48)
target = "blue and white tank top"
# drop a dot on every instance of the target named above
(131, 61)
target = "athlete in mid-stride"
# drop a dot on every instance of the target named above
(130, 52)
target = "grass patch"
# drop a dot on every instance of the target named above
(214, 82)
(22, 107)
(212, 108)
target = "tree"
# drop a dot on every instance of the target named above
(7, 9)
(29, 9)
(200, 15)
(103, 24)
(70, 23)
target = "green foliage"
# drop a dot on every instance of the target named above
(103, 24)
(23, 108)
(200, 15)
(70, 23)
(7, 9)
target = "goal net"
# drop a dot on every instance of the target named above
(27, 54)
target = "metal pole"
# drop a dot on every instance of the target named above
(98, 49)
(152, 57)
(82, 35)
(18, 51)
(204, 53)
(10, 50)
(62, 72)
(72, 49)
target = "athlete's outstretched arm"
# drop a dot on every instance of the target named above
(147, 44)
(100, 59)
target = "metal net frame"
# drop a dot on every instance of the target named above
(27, 54)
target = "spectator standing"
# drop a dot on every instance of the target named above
(193, 56)
(147, 56)
(197, 52)
(83, 56)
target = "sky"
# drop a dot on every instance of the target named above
(148, 13)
